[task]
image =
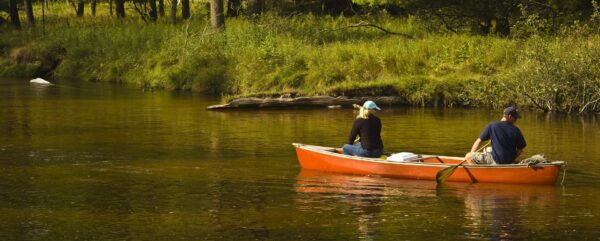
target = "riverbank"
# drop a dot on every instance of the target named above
(316, 56)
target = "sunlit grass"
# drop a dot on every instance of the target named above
(305, 54)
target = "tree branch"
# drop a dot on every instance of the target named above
(74, 6)
(582, 109)
(443, 21)
(367, 24)
(143, 14)
(535, 103)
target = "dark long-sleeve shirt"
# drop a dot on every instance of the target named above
(369, 131)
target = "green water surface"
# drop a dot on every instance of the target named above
(85, 161)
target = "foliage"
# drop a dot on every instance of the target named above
(529, 24)
(557, 75)
(310, 54)
(490, 16)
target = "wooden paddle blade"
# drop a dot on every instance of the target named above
(445, 173)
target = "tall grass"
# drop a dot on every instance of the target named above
(303, 54)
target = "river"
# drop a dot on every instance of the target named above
(90, 161)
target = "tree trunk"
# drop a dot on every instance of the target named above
(174, 11)
(120, 8)
(29, 13)
(255, 7)
(14, 13)
(110, 7)
(153, 14)
(80, 5)
(485, 26)
(185, 9)
(233, 8)
(217, 19)
(44, 6)
(502, 26)
(93, 7)
(161, 8)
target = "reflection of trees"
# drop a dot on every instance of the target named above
(362, 194)
(20, 196)
(15, 113)
(18, 188)
(496, 211)
(265, 132)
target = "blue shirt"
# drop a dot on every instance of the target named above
(506, 140)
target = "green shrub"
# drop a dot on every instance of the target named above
(557, 75)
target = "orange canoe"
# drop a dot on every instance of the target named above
(330, 160)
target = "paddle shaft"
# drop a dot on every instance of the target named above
(445, 173)
(484, 146)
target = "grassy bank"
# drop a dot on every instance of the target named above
(307, 55)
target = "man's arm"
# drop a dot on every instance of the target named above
(469, 156)
(521, 144)
(476, 145)
(519, 151)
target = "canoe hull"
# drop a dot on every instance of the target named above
(324, 159)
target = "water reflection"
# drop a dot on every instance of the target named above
(503, 212)
(103, 162)
(483, 211)
(363, 194)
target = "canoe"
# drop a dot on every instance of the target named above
(330, 159)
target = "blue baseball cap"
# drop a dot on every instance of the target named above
(370, 105)
(512, 111)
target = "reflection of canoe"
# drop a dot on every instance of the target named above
(310, 181)
(495, 211)
(318, 182)
(330, 160)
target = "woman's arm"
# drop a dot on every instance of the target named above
(353, 132)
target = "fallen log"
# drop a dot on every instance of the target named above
(306, 101)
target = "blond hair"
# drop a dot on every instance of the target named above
(363, 113)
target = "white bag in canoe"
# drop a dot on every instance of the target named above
(403, 157)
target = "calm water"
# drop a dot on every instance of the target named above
(82, 161)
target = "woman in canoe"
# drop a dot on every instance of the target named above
(368, 127)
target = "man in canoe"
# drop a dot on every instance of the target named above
(368, 127)
(507, 140)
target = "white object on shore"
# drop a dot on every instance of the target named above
(403, 157)
(40, 81)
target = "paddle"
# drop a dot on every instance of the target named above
(443, 174)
